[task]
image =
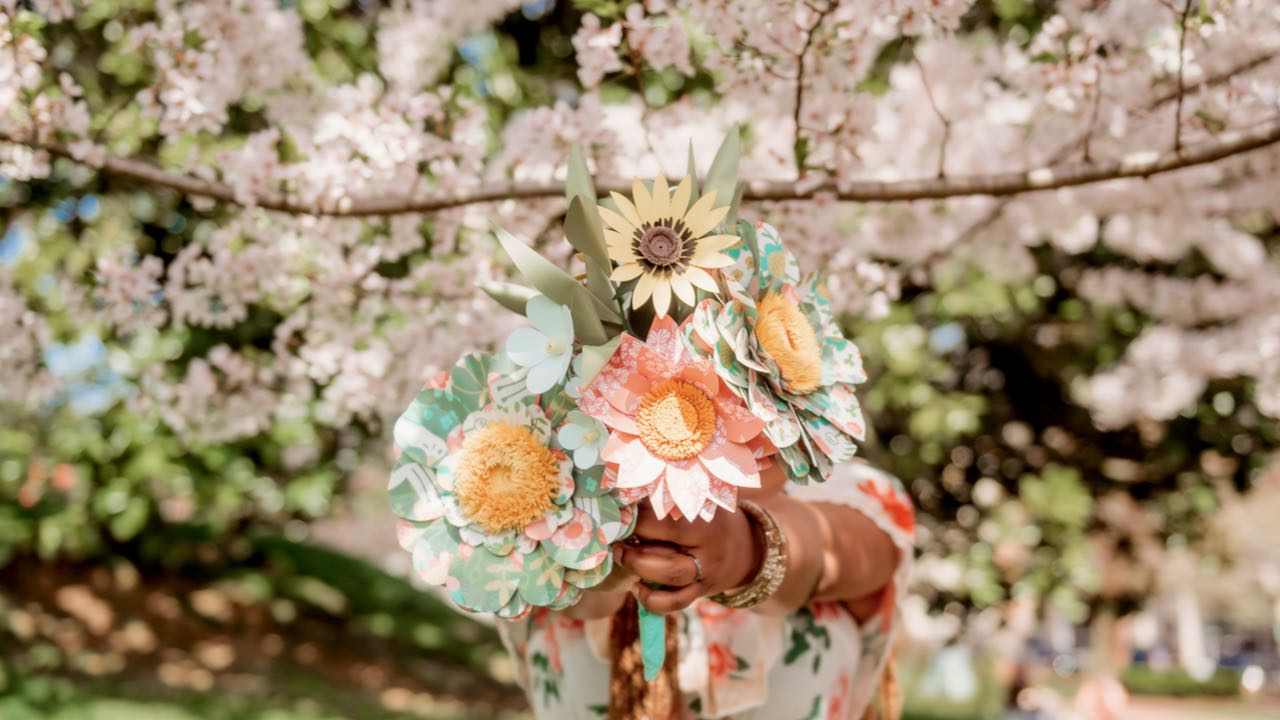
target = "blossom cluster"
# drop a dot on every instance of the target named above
(821, 101)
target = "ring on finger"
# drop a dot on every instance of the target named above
(697, 566)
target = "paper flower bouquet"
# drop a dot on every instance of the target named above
(688, 352)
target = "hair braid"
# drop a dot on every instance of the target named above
(630, 696)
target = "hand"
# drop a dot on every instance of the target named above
(728, 547)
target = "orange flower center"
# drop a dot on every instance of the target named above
(676, 420)
(505, 479)
(785, 333)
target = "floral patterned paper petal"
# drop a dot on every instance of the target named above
(689, 484)
(569, 595)
(842, 362)
(829, 439)
(501, 544)
(540, 579)
(777, 266)
(433, 551)
(588, 483)
(485, 582)
(608, 515)
(797, 462)
(468, 381)
(590, 578)
(515, 609)
(413, 493)
(576, 543)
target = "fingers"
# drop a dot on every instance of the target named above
(669, 601)
(679, 532)
(661, 564)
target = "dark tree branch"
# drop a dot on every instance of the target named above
(994, 184)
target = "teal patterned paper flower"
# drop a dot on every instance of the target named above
(492, 508)
(775, 343)
(546, 349)
(585, 437)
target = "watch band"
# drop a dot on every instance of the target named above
(772, 571)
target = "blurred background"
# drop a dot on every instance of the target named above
(236, 236)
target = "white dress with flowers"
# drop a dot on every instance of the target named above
(818, 662)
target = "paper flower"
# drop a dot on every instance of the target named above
(583, 436)
(546, 349)
(678, 434)
(663, 244)
(573, 386)
(774, 341)
(492, 508)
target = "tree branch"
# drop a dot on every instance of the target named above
(798, 103)
(1182, 61)
(1082, 140)
(994, 184)
(946, 123)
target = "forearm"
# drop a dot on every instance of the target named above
(834, 553)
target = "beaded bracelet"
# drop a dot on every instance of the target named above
(772, 571)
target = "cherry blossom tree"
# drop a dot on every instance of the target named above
(269, 219)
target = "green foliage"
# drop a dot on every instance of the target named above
(1176, 682)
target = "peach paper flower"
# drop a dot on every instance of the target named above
(677, 434)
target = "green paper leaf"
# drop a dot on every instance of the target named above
(552, 281)
(579, 182)
(653, 642)
(595, 357)
(586, 323)
(723, 175)
(583, 227)
(509, 295)
(692, 172)
(732, 216)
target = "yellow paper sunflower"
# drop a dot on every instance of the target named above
(665, 244)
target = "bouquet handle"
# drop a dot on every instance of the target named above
(653, 642)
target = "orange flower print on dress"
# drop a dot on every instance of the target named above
(720, 661)
(899, 510)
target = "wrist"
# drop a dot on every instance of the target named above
(753, 559)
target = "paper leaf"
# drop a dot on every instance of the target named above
(509, 295)
(601, 288)
(579, 182)
(723, 175)
(586, 322)
(585, 232)
(692, 173)
(552, 281)
(595, 357)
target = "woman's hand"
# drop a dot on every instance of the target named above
(728, 548)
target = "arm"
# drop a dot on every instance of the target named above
(836, 553)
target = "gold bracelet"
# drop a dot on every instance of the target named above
(772, 571)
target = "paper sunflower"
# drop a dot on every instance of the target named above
(774, 342)
(492, 508)
(678, 434)
(663, 243)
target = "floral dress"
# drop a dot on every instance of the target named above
(818, 662)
